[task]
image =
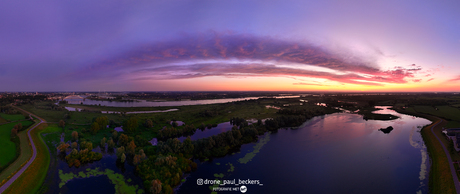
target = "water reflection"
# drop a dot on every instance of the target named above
(144, 103)
(338, 153)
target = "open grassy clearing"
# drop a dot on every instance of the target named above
(12, 117)
(2, 120)
(48, 115)
(446, 112)
(15, 117)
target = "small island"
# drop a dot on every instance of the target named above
(386, 130)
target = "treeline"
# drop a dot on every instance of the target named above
(161, 173)
(8, 110)
(170, 132)
(51, 106)
(22, 99)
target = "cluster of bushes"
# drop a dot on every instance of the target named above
(285, 121)
(240, 122)
(14, 132)
(51, 106)
(77, 158)
(8, 110)
(161, 173)
(170, 132)
(215, 146)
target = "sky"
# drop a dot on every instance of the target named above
(230, 45)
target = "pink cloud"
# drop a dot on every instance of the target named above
(257, 56)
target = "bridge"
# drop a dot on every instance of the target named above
(73, 97)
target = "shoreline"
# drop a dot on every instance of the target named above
(440, 178)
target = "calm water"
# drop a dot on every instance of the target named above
(94, 184)
(144, 103)
(220, 128)
(337, 153)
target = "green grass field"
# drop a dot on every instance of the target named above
(14, 117)
(446, 112)
(48, 115)
(7, 147)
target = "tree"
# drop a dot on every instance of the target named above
(131, 149)
(174, 124)
(148, 123)
(61, 123)
(156, 186)
(123, 140)
(94, 128)
(102, 121)
(14, 132)
(136, 159)
(74, 135)
(112, 123)
(120, 151)
(142, 154)
(19, 126)
(130, 125)
(123, 158)
(86, 145)
(110, 143)
(63, 147)
(74, 145)
(187, 146)
(103, 140)
(114, 135)
(175, 145)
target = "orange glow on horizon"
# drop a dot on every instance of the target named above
(287, 84)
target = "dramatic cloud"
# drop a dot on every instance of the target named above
(233, 55)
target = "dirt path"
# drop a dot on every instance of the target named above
(34, 155)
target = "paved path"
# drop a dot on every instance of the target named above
(34, 155)
(451, 165)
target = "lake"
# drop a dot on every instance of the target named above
(336, 153)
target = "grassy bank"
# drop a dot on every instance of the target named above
(35, 174)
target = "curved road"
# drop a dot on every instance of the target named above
(34, 155)
(451, 165)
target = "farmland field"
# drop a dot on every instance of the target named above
(7, 147)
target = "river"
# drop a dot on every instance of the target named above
(337, 153)
(144, 103)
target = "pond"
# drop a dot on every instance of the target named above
(220, 128)
(336, 153)
(104, 176)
